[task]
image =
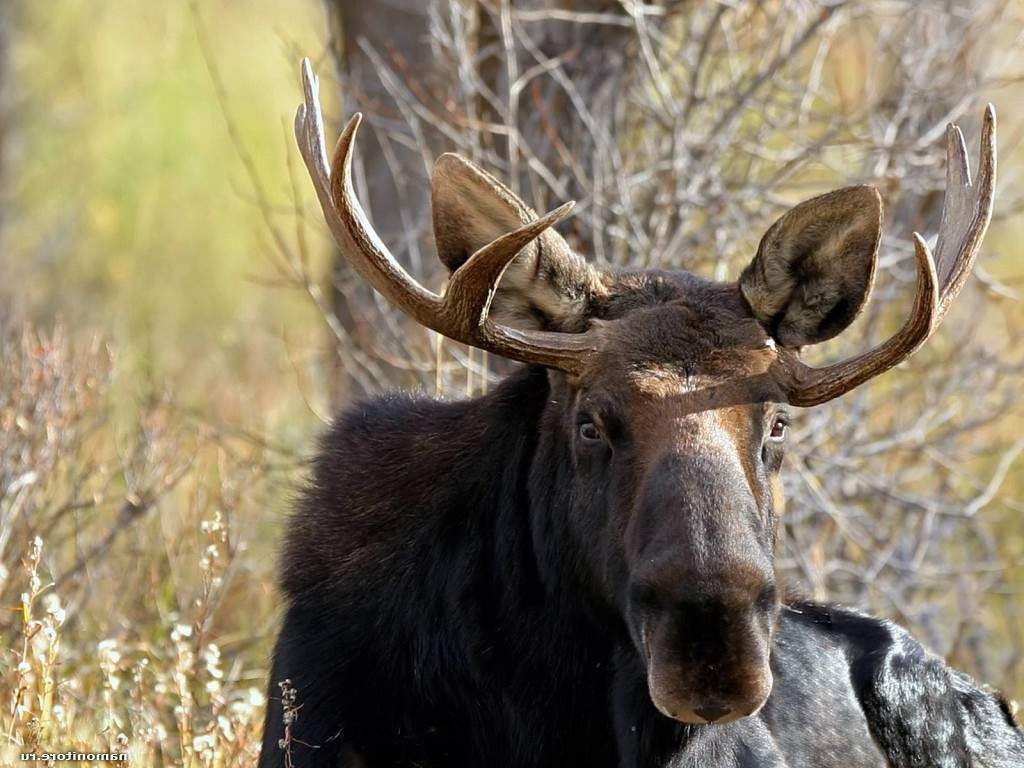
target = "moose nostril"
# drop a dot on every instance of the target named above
(712, 713)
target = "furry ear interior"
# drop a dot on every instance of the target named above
(546, 287)
(815, 266)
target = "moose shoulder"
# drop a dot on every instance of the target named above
(460, 577)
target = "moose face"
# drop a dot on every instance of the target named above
(685, 498)
(666, 396)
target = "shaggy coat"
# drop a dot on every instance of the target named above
(442, 624)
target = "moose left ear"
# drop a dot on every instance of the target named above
(815, 266)
(547, 286)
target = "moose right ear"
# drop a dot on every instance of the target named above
(547, 286)
(815, 267)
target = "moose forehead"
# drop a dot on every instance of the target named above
(669, 333)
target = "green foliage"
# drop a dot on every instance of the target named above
(131, 209)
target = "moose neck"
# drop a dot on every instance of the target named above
(543, 550)
(559, 547)
(543, 632)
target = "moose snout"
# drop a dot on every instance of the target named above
(701, 592)
(707, 656)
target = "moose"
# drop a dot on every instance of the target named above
(586, 553)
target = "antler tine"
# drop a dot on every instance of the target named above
(344, 215)
(462, 312)
(966, 211)
(806, 386)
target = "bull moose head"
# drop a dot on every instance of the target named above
(666, 420)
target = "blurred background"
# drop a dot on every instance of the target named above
(175, 326)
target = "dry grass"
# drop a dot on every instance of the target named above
(120, 559)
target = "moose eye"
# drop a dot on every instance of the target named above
(589, 432)
(780, 425)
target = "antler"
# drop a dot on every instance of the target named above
(966, 211)
(461, 313)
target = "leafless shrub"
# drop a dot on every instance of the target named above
(60, 480)
(115, 643)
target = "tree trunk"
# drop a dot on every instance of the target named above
(393, 187)
(388, 56)
(397, 32)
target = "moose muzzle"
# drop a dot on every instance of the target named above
(702, 598)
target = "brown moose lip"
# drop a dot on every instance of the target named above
(694, 718)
